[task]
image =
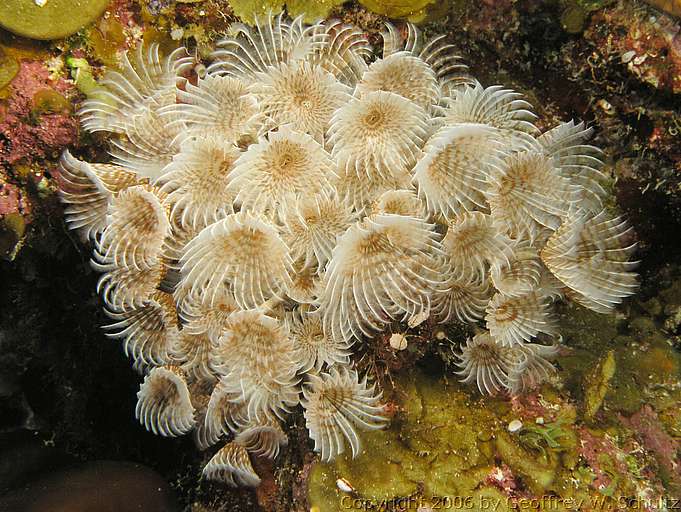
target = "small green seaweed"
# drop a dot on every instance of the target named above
(82, 75)
(552, 436)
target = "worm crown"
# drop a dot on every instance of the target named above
(255, 223)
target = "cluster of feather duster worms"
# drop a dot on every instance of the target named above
(298, 195)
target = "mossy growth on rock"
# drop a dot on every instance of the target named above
(53, 20)
(412, 10)
(444, 444)
(9, 67)
(311, 10)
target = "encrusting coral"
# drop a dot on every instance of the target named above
(258, 220)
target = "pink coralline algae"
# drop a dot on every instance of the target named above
(27, 134)
(601, 455)
(503, 479)
(658, 442)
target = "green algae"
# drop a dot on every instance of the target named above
(312, 10)
(315, 10)
(537, 476)
(573, 19)
(49, 101)
(412, 10)
(81, 73)
(9, 67)
(105, 39)
(54, 20)
(444, 444)
(440, 445)
(248, 10)
(597, 384)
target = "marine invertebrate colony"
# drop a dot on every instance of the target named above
(258, 221)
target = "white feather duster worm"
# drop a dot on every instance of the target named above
(216, 105)
(514, 320)
(464, 300)
(87, 190)
(145, 79)
(590, 255)
(314, 347)
(279, 170)
(312, 226)
(263, 438)
(150, 142)
(336, 403)
(383, 268)
(528, 195)
(224, 414)
(472, 244)
(306, 284)
(292, 201)
(137, 224)
(241, 253)
(404, 74)
(150, 332)
(344, 51)
(452, 175)
(487, 363)
(521, 274)
(380, 134)
(436, 53)
(123, 288)
(300, 94)
(496, 107)
(164, 406)
(256, 359)
(532, 367)
(232, 466)
(581, 163)
(360, 192)
(193, 353)
(400, 202)
(496, 367)
(195, 182)
(201, 314)
(273, 40)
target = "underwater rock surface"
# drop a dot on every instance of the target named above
(103, 486)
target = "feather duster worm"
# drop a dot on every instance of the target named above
(241, 252)
(335, 404)
(87, 190)
(232, 466)
(256, 360)
(279, 170)
(145, 79)
(383, 268)
(303, 195)
(590, 255)
(163, 403)
(379, 134)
